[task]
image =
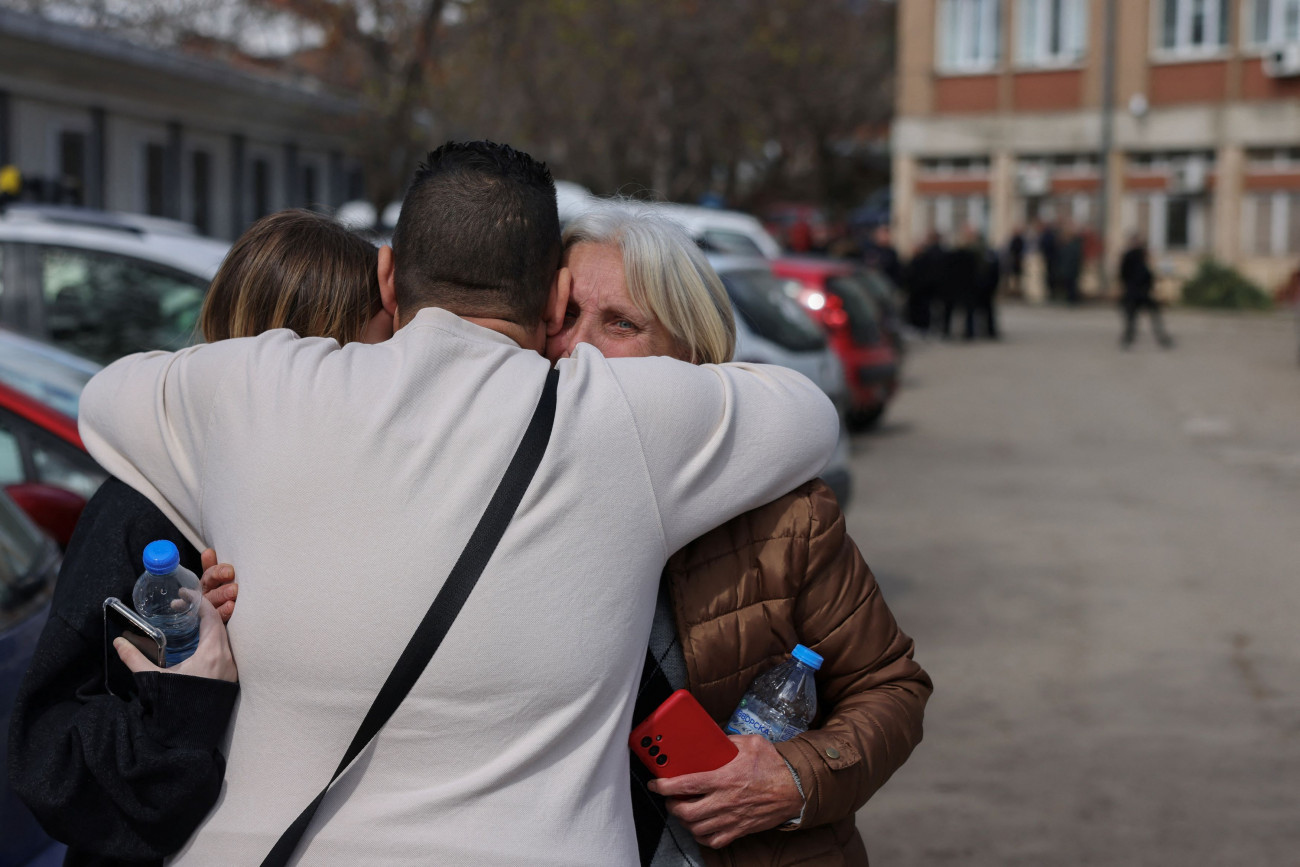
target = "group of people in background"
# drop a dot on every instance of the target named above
(965, 277)
(942, 280)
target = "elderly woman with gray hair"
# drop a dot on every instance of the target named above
(735, 601)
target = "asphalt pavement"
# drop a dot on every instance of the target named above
(1098, 554)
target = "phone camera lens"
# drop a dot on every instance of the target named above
(645, 742)
(662, 760)
(654, 751)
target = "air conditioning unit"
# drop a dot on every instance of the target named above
(1033, 180)
(1188, 177)
(1283, 61)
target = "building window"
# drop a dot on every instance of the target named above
(261, 189)
(1274, 159)
(1174, 222)
(1191, 27)
(309, 187)
(1172, 162)
(155, 172)
(1274, 22)
(1052, 32)
(201, 191)
(970, 35)
(951, 215)
(1271, 223)
(72, 168)
(956, 167)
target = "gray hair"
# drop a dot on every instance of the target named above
(667, 275)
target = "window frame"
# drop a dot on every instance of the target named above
(1250, 42)
(1200, 221)
(1183, 50)
(991, 18)
(1283, 206)
(1073, 58)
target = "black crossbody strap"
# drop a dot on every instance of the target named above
(446, 606)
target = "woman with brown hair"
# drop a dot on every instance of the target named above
(126, 781)
(301, 271)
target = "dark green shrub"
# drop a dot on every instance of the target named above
(1223, 287)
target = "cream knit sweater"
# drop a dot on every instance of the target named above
(343, 484)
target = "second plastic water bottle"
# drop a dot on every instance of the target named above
(781, 703)
(167, 595)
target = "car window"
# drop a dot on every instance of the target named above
(855, 297)
(66, 468)
(103, 306)
(732, 243)
(22, 551)
(11, 459)
(770, 312)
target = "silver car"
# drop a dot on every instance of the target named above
(771, 328)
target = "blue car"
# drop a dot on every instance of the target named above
(29, 564)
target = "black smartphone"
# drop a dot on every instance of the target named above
(121, 621)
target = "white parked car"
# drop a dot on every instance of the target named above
(716, 231)
(724, 232)
(102, 285)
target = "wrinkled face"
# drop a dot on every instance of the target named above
(601, 311)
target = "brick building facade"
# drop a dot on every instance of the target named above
(999, 122)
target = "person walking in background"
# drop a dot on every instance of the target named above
(879, 253)
(1016, 262)
(960, 279)
(1048, 247)
(1139, 282)
(988, 279)
(1069, 263)
(923, 279)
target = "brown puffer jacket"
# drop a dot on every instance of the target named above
(744, 595)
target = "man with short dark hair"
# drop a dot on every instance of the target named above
(345, 483)
(469, 242)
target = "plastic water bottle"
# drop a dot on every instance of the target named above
(167, 595)
(781, 703)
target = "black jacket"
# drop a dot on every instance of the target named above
(120, 782)
(1136, 275)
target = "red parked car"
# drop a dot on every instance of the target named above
(44, 466)
(835, 295)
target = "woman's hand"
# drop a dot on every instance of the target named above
(211, 659)
(753, 792)
(218, 585)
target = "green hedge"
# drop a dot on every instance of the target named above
(1225, 288)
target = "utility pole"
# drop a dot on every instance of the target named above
(1107, 143)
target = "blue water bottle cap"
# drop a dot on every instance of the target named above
(810, 658)
(161, 557)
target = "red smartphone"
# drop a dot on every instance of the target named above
(679, 737)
